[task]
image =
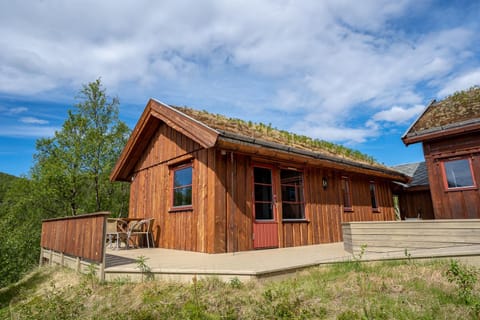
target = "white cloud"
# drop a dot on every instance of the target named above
(460, 82)
(398, 114)
(328, 62)
(33, 120)
(17, 110)
(335, 133)
(27, 131)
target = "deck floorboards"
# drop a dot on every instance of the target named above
(259, 264)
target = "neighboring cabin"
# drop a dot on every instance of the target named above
(215, 184)
(449, 131)
(415, 201)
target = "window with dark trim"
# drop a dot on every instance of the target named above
(293, 204)
(347, 194)
(458, 174)
(373, 196)
(182, 186)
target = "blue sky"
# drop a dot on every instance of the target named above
(351, 72)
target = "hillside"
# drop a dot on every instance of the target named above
(5, 181)
(388, 290)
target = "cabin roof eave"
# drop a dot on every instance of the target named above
(228, 138)
(157, 112)
(145, 128)
(444, 131)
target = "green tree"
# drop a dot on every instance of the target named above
(20, 228)
(69, 176)
(74, 165)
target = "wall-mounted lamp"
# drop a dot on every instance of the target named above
(324, 182)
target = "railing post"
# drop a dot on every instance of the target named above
(101, 273)
(40, 262)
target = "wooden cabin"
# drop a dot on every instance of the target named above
(415, 201)
(216, 185)
(449, 131)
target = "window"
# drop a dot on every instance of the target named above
(262, 181)
(373, 196)
(182, 186)
(347, 194)
(293, 205)
(458, 174)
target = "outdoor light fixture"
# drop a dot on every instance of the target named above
(324, 182)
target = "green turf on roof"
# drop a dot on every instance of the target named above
(268, 133)
(459, 107)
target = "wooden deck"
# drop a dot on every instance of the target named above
(247, 265)
(182, 266)
(459, 240)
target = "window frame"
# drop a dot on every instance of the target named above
(273, 194)
(301, 191)
(445, 179)
(347, 193)
(374, 196)
(173, 170)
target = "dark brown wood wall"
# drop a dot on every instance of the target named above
(361, 203)
(459, 204)
(416, 204)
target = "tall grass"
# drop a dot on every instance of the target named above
(390, 290)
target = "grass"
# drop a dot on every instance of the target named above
(380, 290)
(269, 133)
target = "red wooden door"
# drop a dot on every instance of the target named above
(265, 224)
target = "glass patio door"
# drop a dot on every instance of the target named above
(265, 225)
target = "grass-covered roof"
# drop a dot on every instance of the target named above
(270, 134)
(459, 108)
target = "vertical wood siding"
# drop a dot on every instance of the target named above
(150, 193)
(416, 204)
(459, 204)
(323, 207)
(234, 201)
(79, 236)
(361, 201)
(222, 219)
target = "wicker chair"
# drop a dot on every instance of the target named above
(142, 228)
(114, 233)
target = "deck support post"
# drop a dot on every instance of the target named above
(77, 267)
(40, 261)
(101, 273)
(50, 259)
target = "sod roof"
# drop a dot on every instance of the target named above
(460, 109)
(268, 133)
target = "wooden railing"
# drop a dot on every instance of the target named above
(81, 237)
